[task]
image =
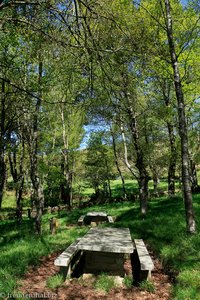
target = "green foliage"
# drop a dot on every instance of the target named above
(188, 285)
(99, 161)
(105, 282)
(7, 280)
(148, 286)
(55, 281)
(128, 281)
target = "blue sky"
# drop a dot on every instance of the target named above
(184, 2)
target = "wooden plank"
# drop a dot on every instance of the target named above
(81, 220)
(96, 214)
(65, 257)
(115, 240)
(146, 262)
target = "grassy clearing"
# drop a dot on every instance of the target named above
(163, 229)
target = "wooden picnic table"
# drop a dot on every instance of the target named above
(95, 217)
(105, 248)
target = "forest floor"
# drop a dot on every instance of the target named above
(34, 285)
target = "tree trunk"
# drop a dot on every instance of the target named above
(2, 146)
(18, 178)
(37, 188)
(126, 152)
(67, 188)
(155, 180)
(172, 140)
(140, 164)
(64, 188)
(172, 161)
(144, 192)
(190, 220)
(108, 179)
(193, 175)
(117, 164)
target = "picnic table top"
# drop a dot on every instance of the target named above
(96, 214)
(116, 240)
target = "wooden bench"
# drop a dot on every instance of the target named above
(142, 262)
(68, 259)
(110, 219)
(92, 219)
(81, 220)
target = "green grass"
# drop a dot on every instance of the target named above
(163, 228)
(20, 248)
(128, 281)
(105, 282)
(147, 285)
(55, 281)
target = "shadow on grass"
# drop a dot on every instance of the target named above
(164, 228)
(10, 230)
(158, 226)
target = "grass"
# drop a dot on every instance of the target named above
(105, 282)
(18, 241)
(163, 229)
(147, 285)
(55, 281)
(128, 281)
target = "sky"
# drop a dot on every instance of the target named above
(184, 2)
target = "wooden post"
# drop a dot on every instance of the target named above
(53, 224)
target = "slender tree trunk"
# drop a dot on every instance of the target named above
(2, 146)
(172, 140)
(193, 175)
(172, 161)
(108, 179)
(117, 164)
(155, 180)
(67, 185)
(126, 152)
(190, 220)
(18, 178)
(37, 187)
(140, 164)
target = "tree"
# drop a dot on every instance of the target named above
(16, 156)
(183, 130)
(98, 163)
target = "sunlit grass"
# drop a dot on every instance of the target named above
(9, 201)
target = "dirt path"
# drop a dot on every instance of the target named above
(34, 285)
